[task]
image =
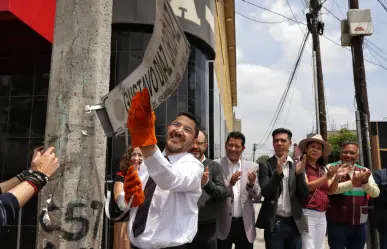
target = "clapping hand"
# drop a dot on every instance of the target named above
(280, 162)
(301, 166)
(252, 177)
(235, 177)
(205, 177)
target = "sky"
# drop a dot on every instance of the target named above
(266, 54)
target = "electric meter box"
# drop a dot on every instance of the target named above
(345, 36)
(360, 22)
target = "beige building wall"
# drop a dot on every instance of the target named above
(225, 61)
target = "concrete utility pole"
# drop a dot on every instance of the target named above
(360, 87)
(80, 69)
(254, 149)
(316, 27)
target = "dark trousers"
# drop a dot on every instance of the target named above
(285, 235)
(205, 238)
(236, 236)
(341, 236)
(173, 247)
(383, 237)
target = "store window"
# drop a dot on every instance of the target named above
(24, 76)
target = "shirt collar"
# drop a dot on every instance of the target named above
(175, 157)
(204, 158)
(231, 163)
(288, 159)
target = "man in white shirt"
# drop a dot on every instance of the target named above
(168, 216)
(284, 188)
(235, 222)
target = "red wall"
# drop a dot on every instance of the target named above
(38, 14)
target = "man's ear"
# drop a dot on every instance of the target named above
(206, 146)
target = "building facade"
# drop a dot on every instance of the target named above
(379, 144)
(208, 89)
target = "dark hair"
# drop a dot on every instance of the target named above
(205, 136)
(347, 142)
(125, 160)
(283, 130)
(236, 135)
(320, 161)
(193, 118)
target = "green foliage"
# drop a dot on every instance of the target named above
(336, 139)
(262, 158)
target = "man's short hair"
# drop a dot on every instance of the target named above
(205, 136)
(236, 135)
(282, 130)
(193, 118)
(348, 142)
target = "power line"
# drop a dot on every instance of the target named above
(294, 16)
(276, 13)
(383, 5)
(330, 12)
(249, 18)
(379, 65)
(280, 106)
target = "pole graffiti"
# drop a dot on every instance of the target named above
(76, 217)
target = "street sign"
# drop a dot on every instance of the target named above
(161, 70)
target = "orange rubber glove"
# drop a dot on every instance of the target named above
(141, 120)
(133, 187)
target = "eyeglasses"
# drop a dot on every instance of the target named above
(200, 143)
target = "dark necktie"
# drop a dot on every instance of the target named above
(143, 210)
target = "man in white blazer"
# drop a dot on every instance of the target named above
(236, 218)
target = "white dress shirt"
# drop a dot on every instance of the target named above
(237, 207)
(173, 213)
(284, 207)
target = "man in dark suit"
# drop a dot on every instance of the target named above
(213, 192)
(283, 187)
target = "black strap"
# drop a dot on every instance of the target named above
(143, 210)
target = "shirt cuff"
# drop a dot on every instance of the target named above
(206, 183)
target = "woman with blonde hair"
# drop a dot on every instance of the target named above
(321, 182)
(132, 157)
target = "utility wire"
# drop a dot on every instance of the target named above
(379, 65)
(280, 106)
(249, 18)
(383, 5)
(276, 13)
(330, 12)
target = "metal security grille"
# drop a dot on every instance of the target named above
(24, 76)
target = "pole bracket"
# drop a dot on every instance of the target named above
(89, 108)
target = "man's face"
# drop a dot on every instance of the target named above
(180, 135)
(199, 147)
(234, 149)
(281, 144)
(349, 153)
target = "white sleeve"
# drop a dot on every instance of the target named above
(185, 175)
(121, 201)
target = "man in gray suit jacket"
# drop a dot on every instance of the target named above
(235, 222)
(283, 188)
